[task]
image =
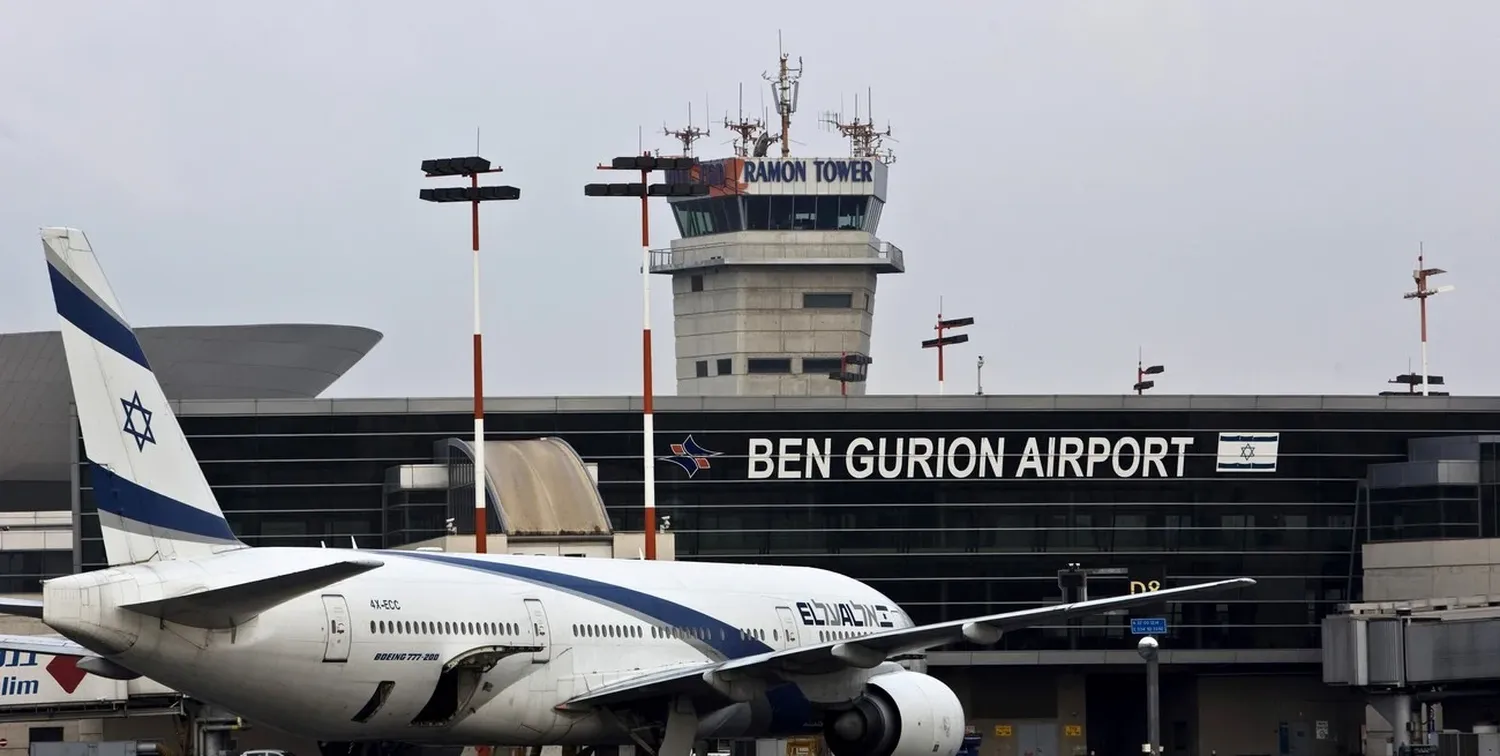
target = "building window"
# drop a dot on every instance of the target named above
(826, 300)
(702, 368)
(696, 283)
(821, 365)
(45, 734)
(764, 365)
(726, 366)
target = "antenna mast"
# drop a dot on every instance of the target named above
(784, 90)
(864, 140)
(686, 135)
(746, 130)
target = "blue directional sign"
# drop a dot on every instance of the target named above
(1148, 625)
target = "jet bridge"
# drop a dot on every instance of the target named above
(541, 498)
(1421, 644)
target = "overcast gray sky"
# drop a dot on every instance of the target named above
(1239, 187)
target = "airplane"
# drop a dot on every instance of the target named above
(356, 648)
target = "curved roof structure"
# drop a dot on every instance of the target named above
(193, 362)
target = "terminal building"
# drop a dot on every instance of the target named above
(953, 506)
(1369, 522)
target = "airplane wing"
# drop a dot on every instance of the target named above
(50, 645)
(871, 650)
(20, 607)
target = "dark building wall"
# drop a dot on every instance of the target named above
(942, 545)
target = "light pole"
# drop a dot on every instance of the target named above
(473, 194)
(979, 376)
(945, 341)
(1411, 381)
(1420, 276)
(1147, 648)
(645, 164)
(845, 376)
(1141, 371)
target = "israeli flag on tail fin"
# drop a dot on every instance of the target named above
(153, 500)
(1248, 452)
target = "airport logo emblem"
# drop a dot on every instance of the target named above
(64, 670)
(1241, 452)
(143, 434)
(690, 456)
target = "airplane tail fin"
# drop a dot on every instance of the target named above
(152, 498)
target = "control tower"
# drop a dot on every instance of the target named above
(773, 280)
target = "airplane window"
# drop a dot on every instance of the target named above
(614, 631)
(372, 626)
(773, 634)
(447, 628)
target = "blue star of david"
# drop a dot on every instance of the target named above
(144, 435)
(1247, 451)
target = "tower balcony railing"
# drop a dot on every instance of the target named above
(884, 256)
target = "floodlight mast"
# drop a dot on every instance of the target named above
(474, 194)
(1420, 276)
(646, 163)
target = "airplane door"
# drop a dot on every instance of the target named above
(538, 616)
(335, 628)
(789, 630)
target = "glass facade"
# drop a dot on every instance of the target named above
(950, 513)
(721, 215)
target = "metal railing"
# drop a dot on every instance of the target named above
(667, 260)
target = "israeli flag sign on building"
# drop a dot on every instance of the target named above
(1247, 452)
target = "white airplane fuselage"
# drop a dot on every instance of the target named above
(560, 627)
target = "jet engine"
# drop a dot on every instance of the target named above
(900, 713)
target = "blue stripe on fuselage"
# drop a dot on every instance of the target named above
(724, 638)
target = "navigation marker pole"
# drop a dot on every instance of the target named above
(685, 186)
(474, 194)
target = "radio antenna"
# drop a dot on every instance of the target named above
(746, 130)
(784, 90)
(689, 134)
(864, 140)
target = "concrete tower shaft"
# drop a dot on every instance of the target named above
(774, 278)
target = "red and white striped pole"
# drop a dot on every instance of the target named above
(481, 532)
(648, 460)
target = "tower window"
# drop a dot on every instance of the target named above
(702, 368)
(766, 365)
(696, 283)
(827, 300)
(726, 366)
(821, 365)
